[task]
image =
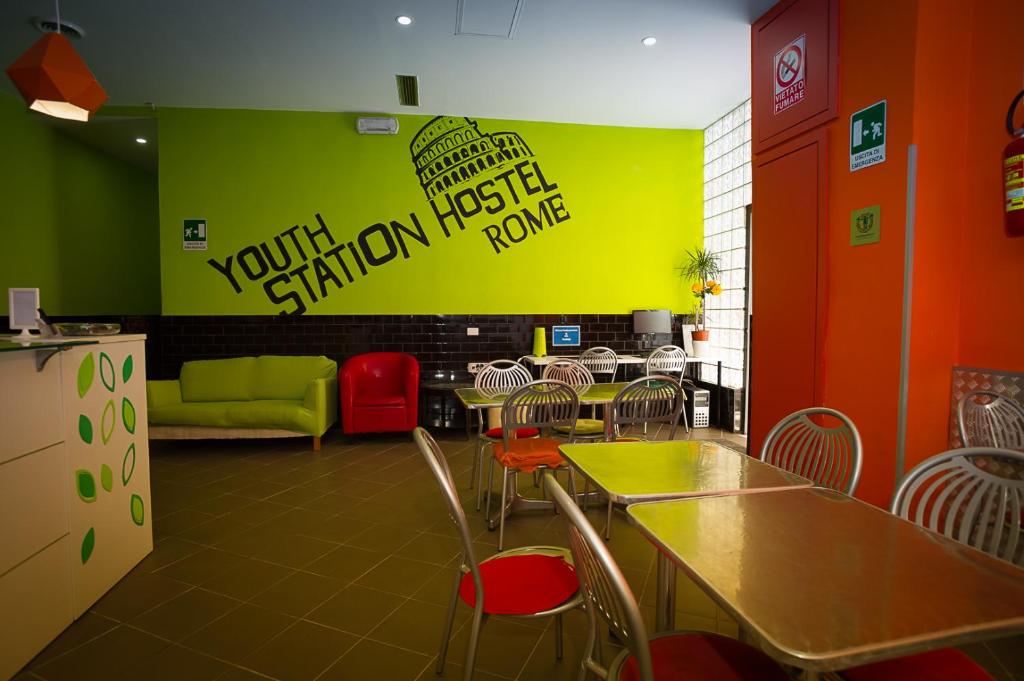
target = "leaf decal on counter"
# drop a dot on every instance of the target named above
(128, 464)
(138, 510)
(128, 414)
(107, 422)
(107, 372)
(86, 485)
(88, 544)
(86, 372)
(85, 429)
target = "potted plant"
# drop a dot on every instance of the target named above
(703, 269)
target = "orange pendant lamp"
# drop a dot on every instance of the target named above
(54, 80)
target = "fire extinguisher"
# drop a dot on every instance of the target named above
(1013, 173)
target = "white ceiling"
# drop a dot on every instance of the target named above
(570, 60)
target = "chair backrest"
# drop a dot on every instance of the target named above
(666, 359)
(600, 360)
(568, 371)
(502, 374)
(828, 455)
(973, 495)
(988, 419)
(540, 404)
(602, 583)
(438, 465)
(650, 399)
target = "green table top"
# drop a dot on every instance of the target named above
(598, 393)
(629, 472)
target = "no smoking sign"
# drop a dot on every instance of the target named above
(790, 74)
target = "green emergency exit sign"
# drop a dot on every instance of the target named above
(867, 136)
(194, 235)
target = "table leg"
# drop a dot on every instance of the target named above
(665, 607)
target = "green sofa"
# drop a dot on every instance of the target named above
(243, 397)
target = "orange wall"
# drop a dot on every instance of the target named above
(865, 283)
(992, 306)
(941, 199)
(948, 69)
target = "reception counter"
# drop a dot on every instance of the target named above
(74, 482)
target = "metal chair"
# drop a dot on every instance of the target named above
(498, 377)
(578, 376)
(676, 654)
(988, 419)
(601, 361)
(650, 399)
(667, 360)
(829, 456)
(543, 405)
(972, 495)
(529, 582)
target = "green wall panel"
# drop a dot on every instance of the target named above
(629, 201)
(80, 225)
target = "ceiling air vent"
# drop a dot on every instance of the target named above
(408, 90)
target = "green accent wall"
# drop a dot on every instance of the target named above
(79, 224)
(630, 203)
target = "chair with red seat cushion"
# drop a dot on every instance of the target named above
(499, 377)
(677, 655)
(379, 393)
(532, 581)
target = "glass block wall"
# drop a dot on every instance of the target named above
(726, 197)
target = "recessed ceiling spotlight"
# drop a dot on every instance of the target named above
(403, 20)
(649, 41)
(141, 140)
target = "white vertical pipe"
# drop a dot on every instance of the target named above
(908, 299)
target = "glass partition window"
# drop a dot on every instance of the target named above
(727, 172)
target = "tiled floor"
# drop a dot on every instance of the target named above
(275, 562)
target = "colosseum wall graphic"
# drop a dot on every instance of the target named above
(488, 183)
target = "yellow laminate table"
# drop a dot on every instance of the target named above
(630, 472)
(825, 582)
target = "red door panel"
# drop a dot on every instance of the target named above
(787, 281)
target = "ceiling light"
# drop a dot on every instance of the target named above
(403, 20)
(53, 79)
(141, 140)
(649, 41)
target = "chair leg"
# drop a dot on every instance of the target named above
(316, 443)
(588, 650)
(476, 467)
(478, 470)
(586, 493)
(449, 622)
(474, 642)
(608, 526)
(490, 488)
(558, 636)
(501, 509)
(686, 422)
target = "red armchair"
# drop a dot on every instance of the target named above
(379, 393)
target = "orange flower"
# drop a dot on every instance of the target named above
(711, 283)
(716, 290)
(696, 288)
